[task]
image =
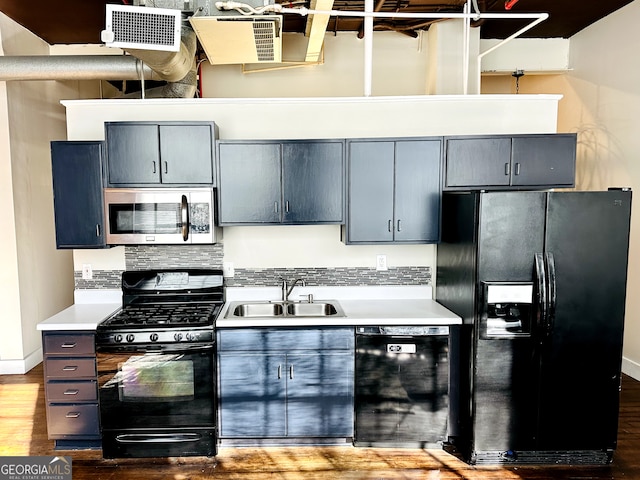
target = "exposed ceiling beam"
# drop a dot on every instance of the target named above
(316, 28)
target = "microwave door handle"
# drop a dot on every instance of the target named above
(184, 210)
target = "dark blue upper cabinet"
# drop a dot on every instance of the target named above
(510, 161)
(313, 182)
(160, 153)
(249, 186)
(394, 191)
(77, 169)
(281, 182)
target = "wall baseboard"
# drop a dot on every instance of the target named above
(631, 368)
(20, 367)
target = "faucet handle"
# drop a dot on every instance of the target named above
(309, 297)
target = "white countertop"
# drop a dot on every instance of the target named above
(89, 309)
(361, 306)
(395, 305)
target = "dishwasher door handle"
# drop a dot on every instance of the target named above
(401, 348)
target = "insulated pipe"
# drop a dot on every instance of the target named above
(74, 67)
(368, 48)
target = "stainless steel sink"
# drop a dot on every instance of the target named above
(319, 309)
(258, 310)
(288, 309)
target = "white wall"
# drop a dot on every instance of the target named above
(324, 117)
(36, 280)
(601, 102)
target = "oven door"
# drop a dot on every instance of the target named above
(152, 216)
(157, 403)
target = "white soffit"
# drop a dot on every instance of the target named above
(532, 55)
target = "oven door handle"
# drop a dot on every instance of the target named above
(158, 437)
(169, 348)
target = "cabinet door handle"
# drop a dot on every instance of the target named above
(507, 169)
(390, 225)
(517, 172)
(154, 166)
(166, 167)
(70, 368)
(275, 207)
(98, 230)
(286, 206)
(399, 225)
(69, 345)
(71, 392)
(291, 372)
(72, 414)
(279, 372)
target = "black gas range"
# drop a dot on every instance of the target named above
(165, 307)
(156, 365)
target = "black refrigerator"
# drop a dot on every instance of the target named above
(539, 279)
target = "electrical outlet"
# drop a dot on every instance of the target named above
(87, 271)
(228, 270)
(381, 262)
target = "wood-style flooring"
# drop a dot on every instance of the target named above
(23, 432)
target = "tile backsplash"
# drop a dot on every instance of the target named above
(145, 257)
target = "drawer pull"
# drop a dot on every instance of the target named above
(72, 415)
(69, 345)
(70, 368)
(71, 392)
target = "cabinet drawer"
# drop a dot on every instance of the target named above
(58, 392)
(279, 339)
(71, 344)
(70, 368)
(69, 420)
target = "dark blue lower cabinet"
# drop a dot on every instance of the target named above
(292, 394)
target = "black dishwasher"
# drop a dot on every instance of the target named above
(402, 386)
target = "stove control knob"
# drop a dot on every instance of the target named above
(131, 337)
(153, 337)
(177, 337)
(117, 338)
(193, 337)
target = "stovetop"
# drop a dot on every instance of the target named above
(165, 306)
(161, 315)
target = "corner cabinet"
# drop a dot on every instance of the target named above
(285, 383)
(394, 191)
(510, 162)
(281, 182)
(71, 389)
(77, 172)
(160, 153)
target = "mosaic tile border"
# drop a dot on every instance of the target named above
(338, 276)
(143, 257)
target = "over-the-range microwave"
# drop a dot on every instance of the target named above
(159, 216)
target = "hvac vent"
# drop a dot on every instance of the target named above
(238, 39)
(142, 28)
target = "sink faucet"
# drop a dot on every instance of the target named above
(286, 289)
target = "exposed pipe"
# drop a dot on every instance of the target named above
(74, 67)
(368, 48)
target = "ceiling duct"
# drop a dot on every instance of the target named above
(234, 39)
(129, 26)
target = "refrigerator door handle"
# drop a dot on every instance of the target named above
(541, 290)
(551, 292)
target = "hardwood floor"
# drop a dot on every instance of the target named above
(23, 432)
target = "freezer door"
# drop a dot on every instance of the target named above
(506, 368)
(511, 232)
(587, 236)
